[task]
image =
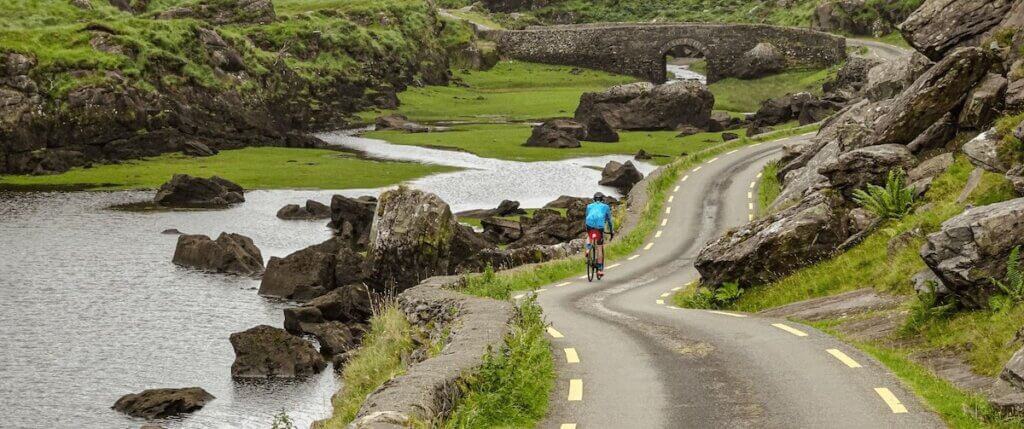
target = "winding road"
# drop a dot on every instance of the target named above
(627, 358)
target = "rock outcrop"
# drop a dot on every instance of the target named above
(185, 191)
(984, 103)
(229, 253)
(939, 26)
(313, 271)
(644, 106)
(774, 246)
(349, 304)
(983, 152)
(972, 248)
(312, 210)
(870, 165)
(557, 133)
(1013, 372)
(505, 208)
(890, 78)
(161, 403)
(620, 176)
(352, 218)
(598, 130)
(844, 16)
(267, 352)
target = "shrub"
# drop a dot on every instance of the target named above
(928, 306)
(891, 202)
(1013, 287)
(706, 298)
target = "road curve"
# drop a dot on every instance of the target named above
(880, 50)
(627, 359)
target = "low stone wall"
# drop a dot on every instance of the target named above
(430, 389)
(639, 49)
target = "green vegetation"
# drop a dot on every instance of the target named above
(1013, 286)
(702, 297)
(511, 91)
(891, 202)
(769, 188)
(746, 95)
(377, 360)
(252, 168)
(512, 386)
(529, 214)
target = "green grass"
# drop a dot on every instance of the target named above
(500, 285)
(377, 360)
(505, 141)
(252, 168)
(769, 188)
(741, 95)
(475, 17)
(511, 91)
(511, 388)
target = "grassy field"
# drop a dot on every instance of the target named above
(252, 168)
(739, 95)
(768, 188)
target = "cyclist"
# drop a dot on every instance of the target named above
(599, 214)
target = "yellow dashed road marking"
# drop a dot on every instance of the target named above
(571, 356)
(576, 389)
(750, 195)
(664, 222)
(520, 296)
(648, 246)
(563, 284)
(676, 189)
(684, 178)
(712, 160)
(611, 266)
(843, 358)
(697, 169)
(554, 333)
(633, 257)
(676, 288)
(891, 400)
(751, 206)
(660, 302)
(540, 290)
(759, 175)
(671, 197)
(753, 185)
(751, 216)
(568, 426)
(668, 210)
(733, 151)
(790, 329)
(727, 314)
(666, 294)
(657, 234)
(583, 277)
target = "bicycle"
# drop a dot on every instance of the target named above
(591, 259)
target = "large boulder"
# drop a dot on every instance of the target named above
(196, 192)
(502, 231)
(505, 208)
(938, 26)
(1013, 372)
(349, 304)
(972, 248)
(312, 210)
(802, 106)
(265, 351)
(983, 103)
(557, 133)
(843, 16)
(620, 176)
(352, 218)
(870, 165)
(983, 151)
(229, 253)
(224, 12)
(936, 136)
(644, 106)
(889, 78)
(549, 227)
(941, 89)
(774, 246)
(850, 79)
(160, 403)
(761, 60)
(598, 130)
(313, 271)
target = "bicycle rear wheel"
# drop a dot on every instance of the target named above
(592, 264)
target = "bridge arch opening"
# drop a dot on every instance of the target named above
(684, 59)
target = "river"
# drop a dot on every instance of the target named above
(94, 309)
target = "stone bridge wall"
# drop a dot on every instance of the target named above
(639, 49)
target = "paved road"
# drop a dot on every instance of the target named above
(628, 359)
(882, 51)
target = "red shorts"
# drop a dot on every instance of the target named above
(595, 236)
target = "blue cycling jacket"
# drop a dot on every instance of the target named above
(598, 214)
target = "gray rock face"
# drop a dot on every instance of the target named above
(938, 26)
(196, 192)
(161, 403)
(926, 281)
(349, 305)
(194, 148)
(850, 79)
(505, 208)
(938, 91)
(312, 210)
(930, 168)
(264, 352)
(888, 79)
(557, 133)
(598, 130)
(983, 151)
(311, 272)
(620, 176)
(870, 165)
(644, 106)
(1013, 372)
(229, 253)
(936, 136)
(1015, 95)
(983, 103)
(972, 248)
(761, 60)
(351, 218)
(772, 247)
(843, 16)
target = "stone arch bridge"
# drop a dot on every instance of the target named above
(640, 49)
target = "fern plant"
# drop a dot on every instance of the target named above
(1013, 287)
(926, 307)
(890, 202)
(704, 298)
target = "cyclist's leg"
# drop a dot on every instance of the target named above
(600, 254)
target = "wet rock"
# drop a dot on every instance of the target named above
(598, 130)
(310, 272)
(350, 304)
(644, 106)
(730, 137)
(938, 26)
(265, 351)
(972, 248)
(229, 253)
(983, 151)
(1013, 372)
(196, 192)
(762, 60)
(620, 176)
(312, 210)
(938, 91)
(224, 12)
(983, 103)
(774, 246)
(890, 78)
(557, 133)
(161, 403)
(936, 136)
(352, 218)
(334, 337)
(194, 148)
(870, 165)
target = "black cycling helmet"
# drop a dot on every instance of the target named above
(598, 197)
